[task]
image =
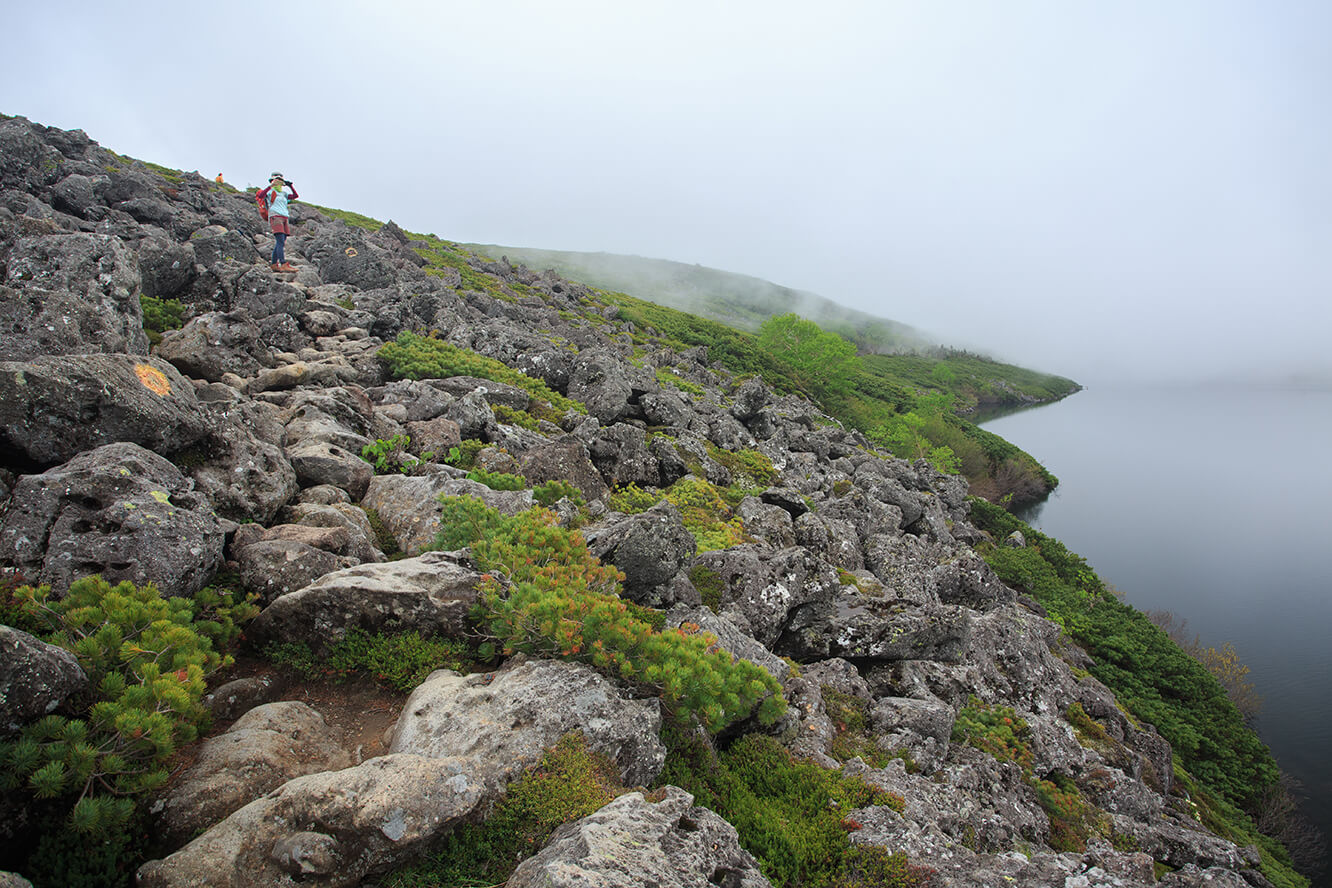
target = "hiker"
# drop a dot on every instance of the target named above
(273, 207)
(218, 180)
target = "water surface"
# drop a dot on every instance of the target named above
(1215, 504)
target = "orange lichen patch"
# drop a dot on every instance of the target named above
(153, 379)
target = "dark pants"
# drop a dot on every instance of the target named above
(278, 256)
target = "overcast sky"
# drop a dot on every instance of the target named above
(1100, 189)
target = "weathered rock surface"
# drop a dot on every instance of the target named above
(119, 511)
(430, 594)
(53, 408)
(505, 720)
(334, 826)
(409, 506)
(263, 749)
(650, 548)
(633, 842)
(36, 679)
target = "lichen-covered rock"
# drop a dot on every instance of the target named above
(263, 749)
(632, 842)
(70, 294)
(273, 568)
(650, 547)
(36, 679)
(322, 462)
(564, 459)
(505, 720)
(52, 408)
(368, 819)
(214, 344)
(431, 594)
(119, 511)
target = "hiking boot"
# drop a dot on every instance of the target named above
(276, 267)
(287, 266)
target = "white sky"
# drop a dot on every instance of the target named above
(1101, 189)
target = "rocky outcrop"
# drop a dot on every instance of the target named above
(633, 842)
(36, 679)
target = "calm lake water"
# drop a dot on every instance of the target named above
(1216, 505)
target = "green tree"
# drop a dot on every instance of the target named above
(824, 361)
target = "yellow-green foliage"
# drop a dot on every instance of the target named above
(147, 658)
(705, 514)
(668, 377)
(520, 418)
(710, 586)
(570, 782)
(564, 603)
(793, 816)
(749, 468)
(632, 499)
(425, 357)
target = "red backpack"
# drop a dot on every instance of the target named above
(263, 204)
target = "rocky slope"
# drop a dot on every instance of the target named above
(235, 442)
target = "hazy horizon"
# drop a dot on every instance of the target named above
(1124, 192)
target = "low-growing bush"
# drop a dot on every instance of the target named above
(397, 660)
(389, 456)
(570, 782)
(498, 480)
(161, 315)
(564, 603)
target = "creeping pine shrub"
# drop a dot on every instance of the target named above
(498, 480)
(147, 658)
(562, 602)
(793, 816)
(551, 492)
(570, 782)
(160, 315)
(424, 357)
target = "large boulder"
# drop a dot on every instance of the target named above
(409, 506)
(504, 721)
(167, 268)
(564, 459)
(649, 548)
(599, 379)
(632, 842)
(344, 257)
(263, 749)
(36, 679)
(332, 828)
(52, 408)
(431, 594)
(118, 510)
(70, 294)
(214, 344)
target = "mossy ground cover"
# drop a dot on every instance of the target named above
(793, 816)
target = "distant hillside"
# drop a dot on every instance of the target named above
(736, 300)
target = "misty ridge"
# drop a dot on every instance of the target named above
(734, 299)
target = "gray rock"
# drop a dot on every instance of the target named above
(272, 568)
(564, 459)
(215, 244)
(13, 880)
(53, 408)
(504, 721)
(70, 294)
(76, 194)
(214, 344)
(243, 477)
(36, 679)
(263, 749)
(261, 294)
(632, 842)
(494, 393)
(238, 696)
(762, 589)
(859, 627)
(119, 511)
(621, 455)
(649, 548)
(772, 524)
(167, 268)
(320, 462)
(599, 380)
(352, 520)
(409, 507)
(730, 637)
(345, 257)
(431, 594)
(750, 398)
(373, 817)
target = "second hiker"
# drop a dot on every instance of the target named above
(273, 206)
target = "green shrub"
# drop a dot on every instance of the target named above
(632, 499)
(146, 658)
(551, 492)
(397, 660)
(520, 418)
(498, 480)
(854, 736)
(793, 816)
(389, 456)
(463, 456)
(161, 315)
(749, 469)
(705, 514)
(570, 782)
(996, 730)
(564, 603)
(424, 357)
(710, 586)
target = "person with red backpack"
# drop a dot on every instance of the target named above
(273, 207)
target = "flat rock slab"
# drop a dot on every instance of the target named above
(431, 594)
